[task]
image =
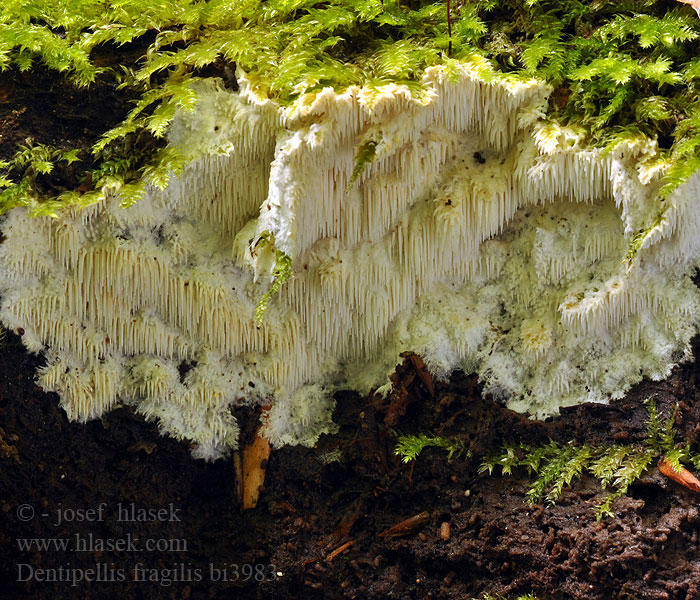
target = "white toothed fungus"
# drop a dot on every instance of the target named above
(477, 234)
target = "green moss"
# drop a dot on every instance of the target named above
(366, 154)
(616, 467)
(281, 272)
(409, 447)
(620, 70)
(555, 466)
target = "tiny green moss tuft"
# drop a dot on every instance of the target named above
(409, 447)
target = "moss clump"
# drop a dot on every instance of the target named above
(555, 465)
(619, 71)
(617, 467)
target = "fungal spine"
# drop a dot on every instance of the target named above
(477, 234)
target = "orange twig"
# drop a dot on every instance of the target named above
(339, 550)
(255, 457)
(684, 477)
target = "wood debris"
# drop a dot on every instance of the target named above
(407, 526)
(347, 521)
(422, 372)
(339, 550)
(250, 470)
(445, 531)
(684, 477)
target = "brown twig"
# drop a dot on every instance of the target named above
(347, 521)
(339, 550)
(407, 526)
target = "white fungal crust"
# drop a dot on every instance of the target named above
(481, 236)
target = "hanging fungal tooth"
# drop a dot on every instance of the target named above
(509, 264)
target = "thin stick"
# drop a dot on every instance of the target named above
(406, 526)
(339, 550)
(449, 29)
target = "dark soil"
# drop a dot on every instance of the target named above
(202, 546)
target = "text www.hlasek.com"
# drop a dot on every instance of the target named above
(90, 543)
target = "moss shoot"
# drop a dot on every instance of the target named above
(618, 70)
